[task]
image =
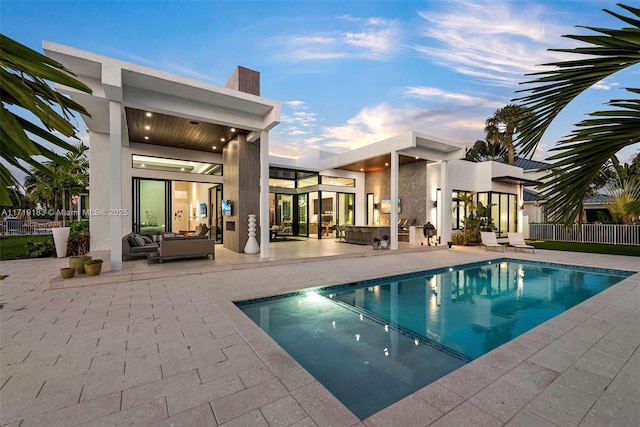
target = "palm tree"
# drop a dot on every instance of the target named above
(482, 151)
(68, 180)
(24, 87)
(595, 140)
(466, 200)
(503, 125)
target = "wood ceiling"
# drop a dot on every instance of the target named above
(179, 132)
(378, 163)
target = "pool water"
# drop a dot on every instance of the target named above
(373, 343)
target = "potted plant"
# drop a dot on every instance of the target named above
(78, 246)
(67, 272)
(93, 267)
(376, 243)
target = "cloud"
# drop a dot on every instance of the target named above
(604, 85)
(498, 42)
(300, 132)
(432, 93)
(366, 38)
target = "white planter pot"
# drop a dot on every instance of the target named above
(61, 238)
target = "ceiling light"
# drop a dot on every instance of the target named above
(147, 127)
(214, 147)
(222, 139)
(146, 137)
(148, 114)
(233, 129)
(417, 157)
(386, 164)
(361, 169)
(142, 165)
(182, 169)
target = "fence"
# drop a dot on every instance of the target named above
(614, 234)
(15, 227)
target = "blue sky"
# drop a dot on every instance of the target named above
(348, 73)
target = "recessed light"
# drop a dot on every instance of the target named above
(182, 169)
(148, 114)
(142, 165)
(147, 127)
(361, 169)
(214, 147)
(222, 139)
(417, 157)
(386, 164)
(233, 129)
(146, 137)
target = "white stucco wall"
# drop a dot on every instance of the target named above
(100, 195)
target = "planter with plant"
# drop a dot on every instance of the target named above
(93, 267)
(78, 245)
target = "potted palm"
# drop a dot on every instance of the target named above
(93, 267)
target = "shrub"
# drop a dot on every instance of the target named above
(79, 238)
(39, 248)
(93, 261)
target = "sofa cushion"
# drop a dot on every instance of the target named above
(139, 240)
(149, 247)
(132, 241)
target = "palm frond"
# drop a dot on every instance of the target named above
(609, 53)
(24, 86)
(581, 157)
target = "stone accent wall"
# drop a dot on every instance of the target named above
(412, 180)
(241, 186)
(412, 184)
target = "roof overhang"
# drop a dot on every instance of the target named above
(411, 147)
(516, 180)
(140, 88)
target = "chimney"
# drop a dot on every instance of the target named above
(244, 80)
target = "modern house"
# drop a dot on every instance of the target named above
(168, 153)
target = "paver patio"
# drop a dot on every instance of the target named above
(165, 345)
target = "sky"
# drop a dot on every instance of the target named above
(348, 73)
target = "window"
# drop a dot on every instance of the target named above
(175, 165)
(337, 181)
(459, 212)
(503, 211)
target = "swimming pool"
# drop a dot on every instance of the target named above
(372, 343)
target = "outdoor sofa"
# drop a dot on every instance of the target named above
(135, 245)
(173, 247)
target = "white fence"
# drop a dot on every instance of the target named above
(15, 227)
(613, 234)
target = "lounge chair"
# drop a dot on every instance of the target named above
(517, 241)
(489, 240)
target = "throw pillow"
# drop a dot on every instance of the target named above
(140, 240)
(132, 241)
(147, 239)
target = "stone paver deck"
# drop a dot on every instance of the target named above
(165, 345)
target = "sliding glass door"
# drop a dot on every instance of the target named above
(346, 204)
(151, 205)
(303, 214)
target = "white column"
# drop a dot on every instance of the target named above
(115, 158)
(444, 211)
(393, 222)
(264, 194)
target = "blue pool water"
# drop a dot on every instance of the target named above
(372, 343)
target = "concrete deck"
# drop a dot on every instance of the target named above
(165, 345)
